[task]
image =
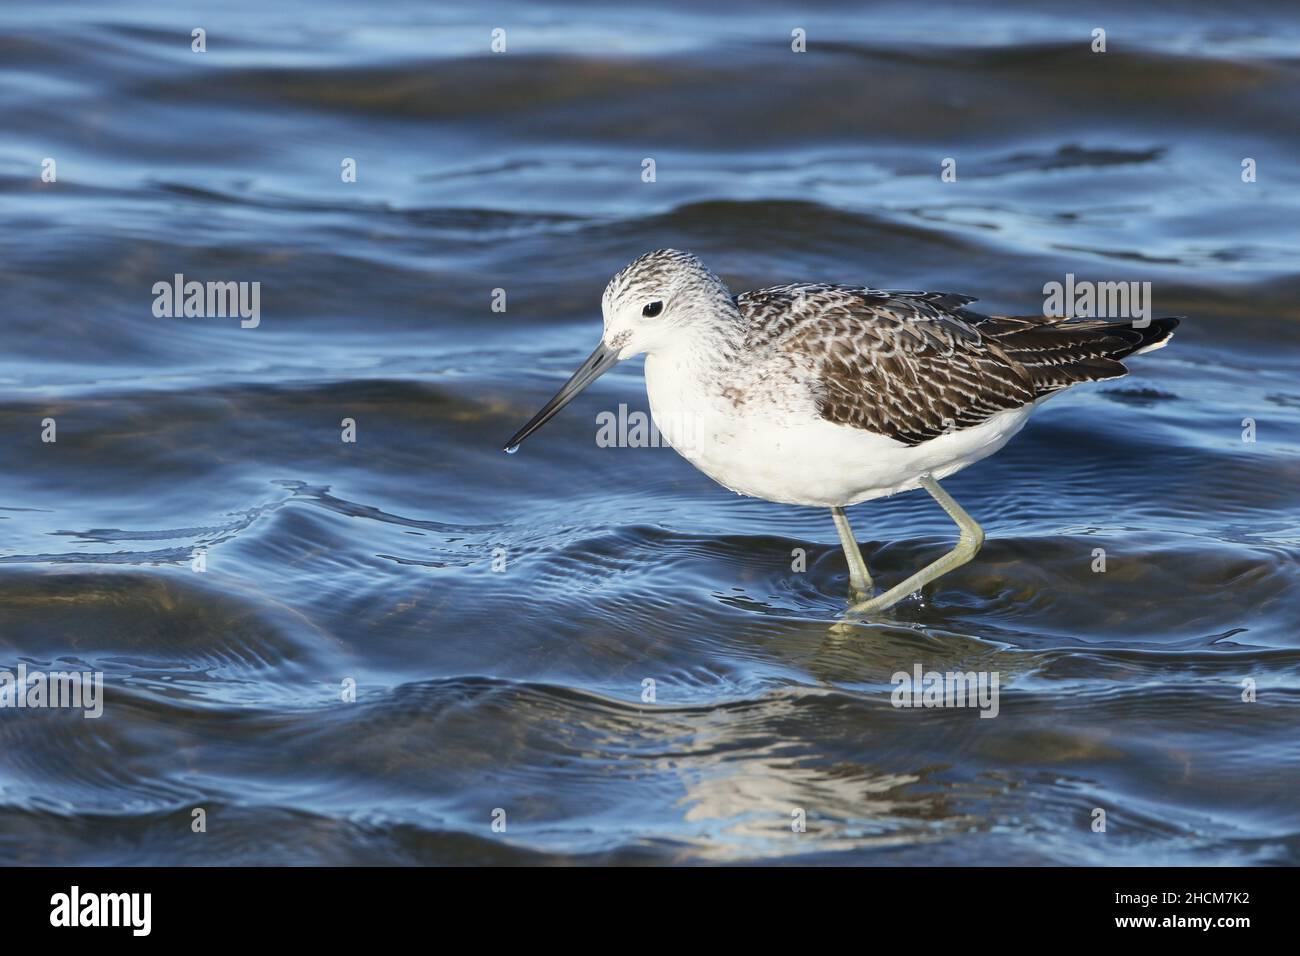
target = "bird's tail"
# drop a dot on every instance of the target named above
(1057, 353)
(1154, 336)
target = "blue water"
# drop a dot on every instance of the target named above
(500, 615)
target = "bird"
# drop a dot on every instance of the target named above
(828, 395)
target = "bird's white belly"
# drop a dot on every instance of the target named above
(794, 456)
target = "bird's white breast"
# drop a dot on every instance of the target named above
(765, 438)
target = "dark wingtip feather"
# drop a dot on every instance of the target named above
(1153, 336)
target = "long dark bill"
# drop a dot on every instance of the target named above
(597, 364)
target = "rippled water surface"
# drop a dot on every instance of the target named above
(500, 615)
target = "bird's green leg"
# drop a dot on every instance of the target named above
(859, 576)
(968, 545)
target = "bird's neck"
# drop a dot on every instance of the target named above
(705, 348)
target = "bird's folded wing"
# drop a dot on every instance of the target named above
(917, 365)
(908, 365)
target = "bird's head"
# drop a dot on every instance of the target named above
(657, 299)
(654, 303)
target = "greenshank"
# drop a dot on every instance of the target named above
(830, 395)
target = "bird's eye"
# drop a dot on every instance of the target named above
(652, 309)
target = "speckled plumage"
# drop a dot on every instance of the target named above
(833, 394)
(764, 391)
(916, 365)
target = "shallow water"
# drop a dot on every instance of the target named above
(521, 689)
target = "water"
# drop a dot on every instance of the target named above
(521, 689)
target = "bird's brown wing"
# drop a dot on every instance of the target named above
(916, 365)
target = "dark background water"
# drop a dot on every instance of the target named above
(521, 689)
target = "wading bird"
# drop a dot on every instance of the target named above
(830, 395)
